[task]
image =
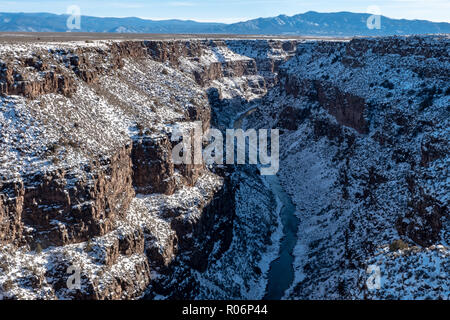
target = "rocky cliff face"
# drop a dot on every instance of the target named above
(58, 208)
(358, 121)
(87, 181)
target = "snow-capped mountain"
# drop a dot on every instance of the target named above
(309, 23)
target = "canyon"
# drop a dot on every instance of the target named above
(87, 179)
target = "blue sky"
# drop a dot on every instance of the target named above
(232, 10)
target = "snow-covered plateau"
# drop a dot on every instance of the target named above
(88, 190)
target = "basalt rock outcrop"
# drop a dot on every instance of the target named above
(60, 208)
(14, 82)
(347, 108)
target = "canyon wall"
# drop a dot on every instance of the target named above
(86, 177)
(364, 150)
(91, 183)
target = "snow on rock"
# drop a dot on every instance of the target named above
(364, 156)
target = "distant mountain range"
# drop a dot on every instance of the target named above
(308, 24)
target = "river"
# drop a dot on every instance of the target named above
(281, 272)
